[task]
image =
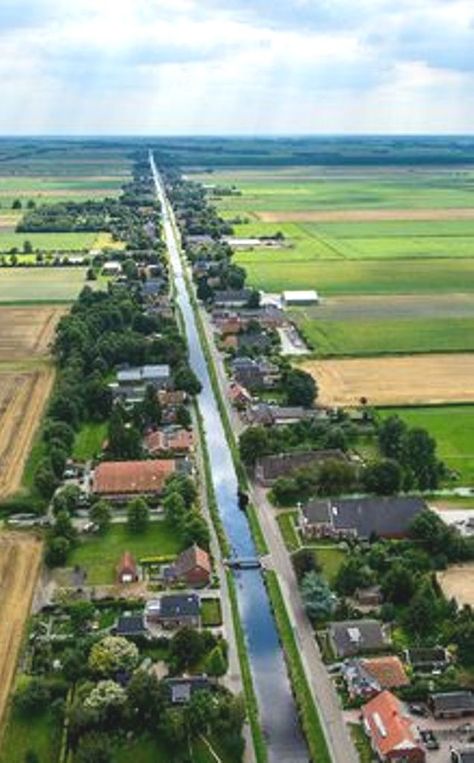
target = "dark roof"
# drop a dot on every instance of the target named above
(185, 605)
(453, 701)
(354, 636)
(232, 295)
(283, 464)
(464, 756)
(380, 515)
(130, 625)
(422, 655)
(181, 689)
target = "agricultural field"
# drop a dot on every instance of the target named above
(457, 582)
(27, 332)
(397, 380)
(20, 556)
(48, 242)
(452, 427)
(41, 285)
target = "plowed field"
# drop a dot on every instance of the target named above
(27, 331)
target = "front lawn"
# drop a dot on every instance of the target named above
(89, 439)
(211, 613)
(100, 554)
(330, 560)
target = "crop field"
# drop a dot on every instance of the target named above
(47, 242)
(396, 380)
(20, 556)
(453, 428)
(27, 332)
(457, 582)
(36, 285)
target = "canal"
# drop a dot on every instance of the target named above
(278, 714)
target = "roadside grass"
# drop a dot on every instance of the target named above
(211, 613)
(361, 743)
(286, 523)
(453, 428)
(89, 440)
(386, 337)
(100, 554)
(41, 285)
(309, 715)
(256, 530)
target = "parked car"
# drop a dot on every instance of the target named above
(420, 710)
(429, 740)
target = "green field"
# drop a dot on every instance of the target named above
(453, 428)
(39, 733)
(99, 555)
(47, 242)
(40, 284)
(380, 336)
(22, 184)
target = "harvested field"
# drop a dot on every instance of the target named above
(365, 215)
(20, 557)
(457, 582)
(41, 284)
(23, 396)
(402, 380)
(27, 332)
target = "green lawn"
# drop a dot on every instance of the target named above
(330, 560)
(286, 523)
(41, 284)
(39, 733)
(51, 242)
(89, 439)
(453, 428)
(99, 555)
(381, 336)
(211, 613)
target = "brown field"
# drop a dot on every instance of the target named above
(20, 557)
(365, 215)
(457, 582)
(23, 396)
(396, 380)
(27, 332)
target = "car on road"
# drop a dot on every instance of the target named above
(420, 710)
(429, 739)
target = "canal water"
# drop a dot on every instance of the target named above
(277, 708)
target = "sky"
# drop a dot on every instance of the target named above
(240, 67)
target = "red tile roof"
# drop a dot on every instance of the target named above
(389, 728)
(179, 439)
(387, 671)
(127, 565)
(192, 558)
(132, 477)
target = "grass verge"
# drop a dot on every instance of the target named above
(286, 523)
(304, 699)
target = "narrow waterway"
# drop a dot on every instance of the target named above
(277, 708)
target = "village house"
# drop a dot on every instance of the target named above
(131, 383)
(385, 517)
(238, 395)
(264, 414)
(269, 468)
(393, 735)
(369, 597)
(175, 611)
(170, 440)
(182, 688)
(453, 704)
(127, 569)
(367, 677)
(352, 637)
(193, 567)
(121, 480)
(427, 659)
(232, 297)
(130, 626)
(255, 374)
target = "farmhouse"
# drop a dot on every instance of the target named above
(172, 440)
(263, 414)
(127, 569)
(360, 517)
(367, 677)
(232, 297)
(299, 298)
(192, 567)
(351, 637)
(393, 735)
(269, 468)
(255, 374)
(118, 480)
(174, 611)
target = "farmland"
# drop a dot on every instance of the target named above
(452, 427)
(47, 242)
(41, 285)
(27, 331)
(457, 582)
(20, 556)
(396, 380)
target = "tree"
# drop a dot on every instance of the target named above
(216, 662)
(253, 444)
(186, 380)
(32, 698)
(100, 514)
(31, 757)
(186, 648)
(185, 486)
(352, 574)
(318, 599)
(64, 528)
(195, 530)
(422, 610)
(147, 699)
(200, 712)
(104, 695)
(124, 440)
(45, 479)
(81, 613)
(130, 270)
(383, 477)
(151, 407)
(17, 204)
(421, 458)
(392, 438)
(175, 508)
(94, 747)
(335, 478)
(138, 515)
(57, 549)
(173, 726)
(398, 584)
(300, 388)
(67, 499)
(304, 561)
(112, 653)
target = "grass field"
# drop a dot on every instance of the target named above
(40, 284)
(39, 733)
(99, 555)
(89, 440)
(61, 242)
(452, 427)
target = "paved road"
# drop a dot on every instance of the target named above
(325, 696)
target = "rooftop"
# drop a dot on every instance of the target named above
(389, 728)
(176, 606)
(390, 516)
(355, 636)
(132, 477)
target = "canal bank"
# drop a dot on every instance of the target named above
(277, 709)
